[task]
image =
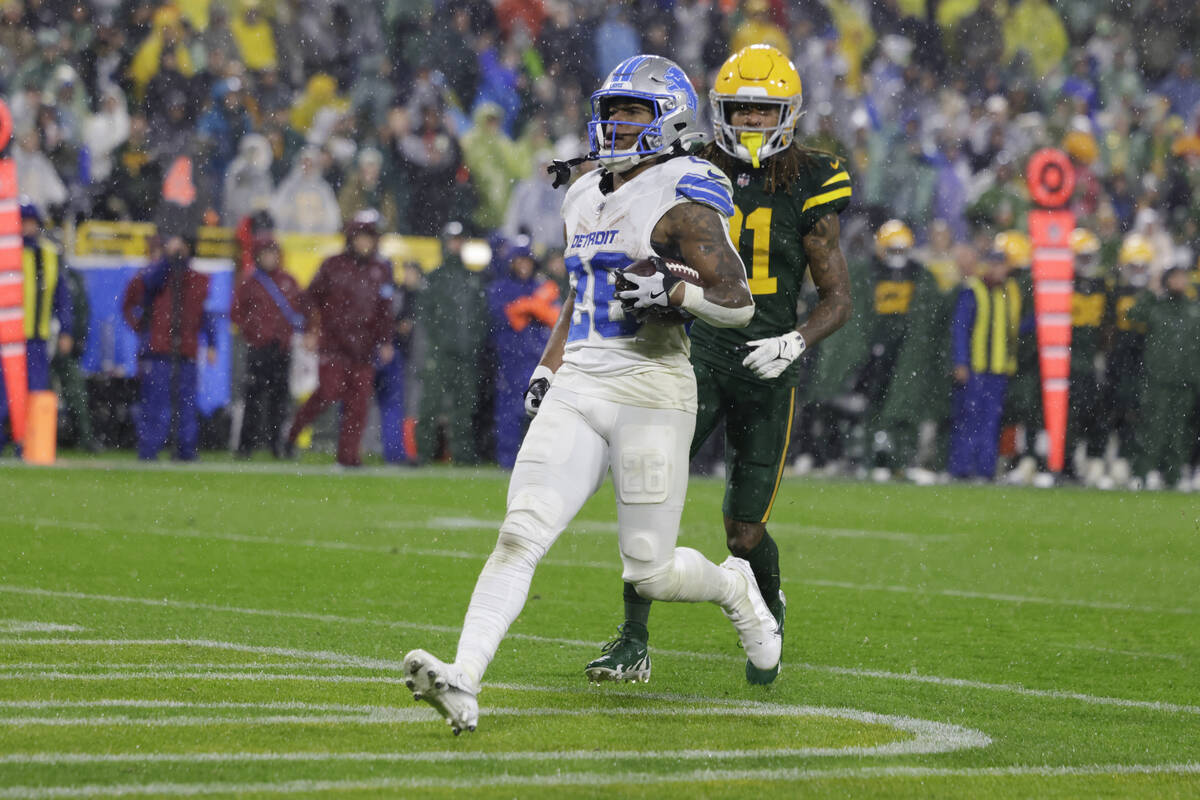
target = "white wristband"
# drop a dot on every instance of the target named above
(695, 302)
(542, 371)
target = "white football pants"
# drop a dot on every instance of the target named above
(571, 445)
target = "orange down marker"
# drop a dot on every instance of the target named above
(1051, 179)
(12, 302)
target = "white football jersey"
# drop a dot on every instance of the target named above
(608, 354)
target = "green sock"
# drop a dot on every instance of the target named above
(764, 561)
(637, 614)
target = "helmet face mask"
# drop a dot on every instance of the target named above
(893, 243)
(758, 75)
(656, 82)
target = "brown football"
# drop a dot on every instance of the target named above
(646, 267)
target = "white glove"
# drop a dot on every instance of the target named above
(770, 357)
(539, 384)
(648, 291)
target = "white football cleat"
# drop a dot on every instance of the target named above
(756, 626)
(444, 687)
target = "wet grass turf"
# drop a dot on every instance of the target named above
(236, 630)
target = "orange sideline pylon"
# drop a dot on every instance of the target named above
(1051, 179)
(12, 298)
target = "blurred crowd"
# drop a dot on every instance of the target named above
(440, 116)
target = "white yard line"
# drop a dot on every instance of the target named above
(1002, 598)
(279, 541)
(356, 661)
(608, 527)
(23, 626)
(639, 778)
(462, 523)
(1129, 653)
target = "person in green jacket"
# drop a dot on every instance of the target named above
(453, 315)
(1089, 310)
(1172, 322)
(1125, 370)
(64, 366)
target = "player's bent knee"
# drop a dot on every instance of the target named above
(663, 585)
(530, 525)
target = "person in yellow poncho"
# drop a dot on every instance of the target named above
(1035, 27)
(166, 34)
(321, 92)
(254, 36)
(759, 29)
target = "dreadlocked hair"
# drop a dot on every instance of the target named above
(781, 169)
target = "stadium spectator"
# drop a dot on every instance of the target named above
(133, 188)
(164, 303)
(269, 308)
(496, 163)
(365, 189)
(351, 296)
(304, 202)
(35, 174)
(1165, 432)
(255, 39)
(523, 307)
(248, 184)
(983, 362)
(105, 131)
(219, 131)
(454, 317)
(430, 156)
(391, 384)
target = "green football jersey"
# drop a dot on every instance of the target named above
(768, 230)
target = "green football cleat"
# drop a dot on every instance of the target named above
(762, 677)
(623, 659)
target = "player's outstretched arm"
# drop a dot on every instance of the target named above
(827, 265)
(699, 236)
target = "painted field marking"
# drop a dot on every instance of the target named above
(607, 527)
(321, 544)
(23, 626)
(355, 661)
(1003, 598)
(640, 778)
(1129, 653)
(927, 736)
(606, 565)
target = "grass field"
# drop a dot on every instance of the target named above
(226, 631)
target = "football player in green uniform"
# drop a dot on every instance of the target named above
(785, 223)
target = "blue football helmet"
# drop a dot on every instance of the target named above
(657, 81)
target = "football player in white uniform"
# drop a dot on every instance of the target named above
(615, 390)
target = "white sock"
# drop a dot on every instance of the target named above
(692, 578)
(499, 596)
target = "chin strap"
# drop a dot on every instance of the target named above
(561, 170)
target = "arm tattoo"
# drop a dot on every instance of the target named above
(698, 236)
(828, 268)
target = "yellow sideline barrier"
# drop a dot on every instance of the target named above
(302, 252)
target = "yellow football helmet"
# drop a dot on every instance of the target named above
(1136, 249)
(1016, 246)
(1084, 242)
(1086, 247)
(893, 240)
(761, 75)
